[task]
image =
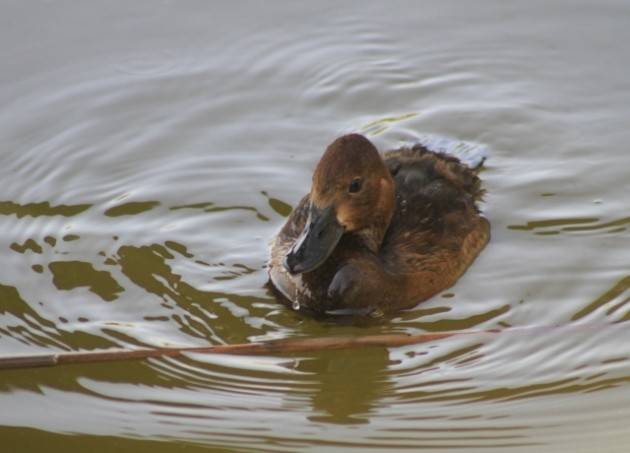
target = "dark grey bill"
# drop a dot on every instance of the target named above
(316, 242)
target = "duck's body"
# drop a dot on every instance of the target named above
(379, 232)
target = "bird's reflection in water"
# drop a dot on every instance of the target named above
(349, 383)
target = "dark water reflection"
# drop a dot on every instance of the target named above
(347, 401)
(150, 152)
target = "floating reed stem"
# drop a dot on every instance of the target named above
(272, 347)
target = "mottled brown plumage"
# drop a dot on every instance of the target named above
(409, 231)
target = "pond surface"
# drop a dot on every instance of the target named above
(149, 151)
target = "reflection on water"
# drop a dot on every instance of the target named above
(134, 207)
(40, 209)
(620, 288)
(347, 401)
(145, 169)
(22, 322)
(546, 227)
(211, 207)
(73, 274)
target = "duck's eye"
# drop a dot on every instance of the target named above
(355, 185)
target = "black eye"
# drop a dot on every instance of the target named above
(355, 185)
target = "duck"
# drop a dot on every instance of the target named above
(378, 233)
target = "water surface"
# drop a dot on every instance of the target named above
(150, 151)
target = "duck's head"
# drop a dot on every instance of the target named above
(352, 192)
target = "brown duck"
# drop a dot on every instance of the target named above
(378, 233)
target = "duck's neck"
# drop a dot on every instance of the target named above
(373, 234)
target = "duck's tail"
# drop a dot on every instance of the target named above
(458, 161)
(438, 164)
(471, 154)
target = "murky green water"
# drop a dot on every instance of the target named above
(150, 150)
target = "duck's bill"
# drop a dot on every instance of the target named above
(317, 241)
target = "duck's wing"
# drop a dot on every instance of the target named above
(436, 225)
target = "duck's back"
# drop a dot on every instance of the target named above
(436, 226)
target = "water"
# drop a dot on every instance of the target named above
(149, 152)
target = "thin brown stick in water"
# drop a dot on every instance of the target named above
(278, 347)
(273, 347)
